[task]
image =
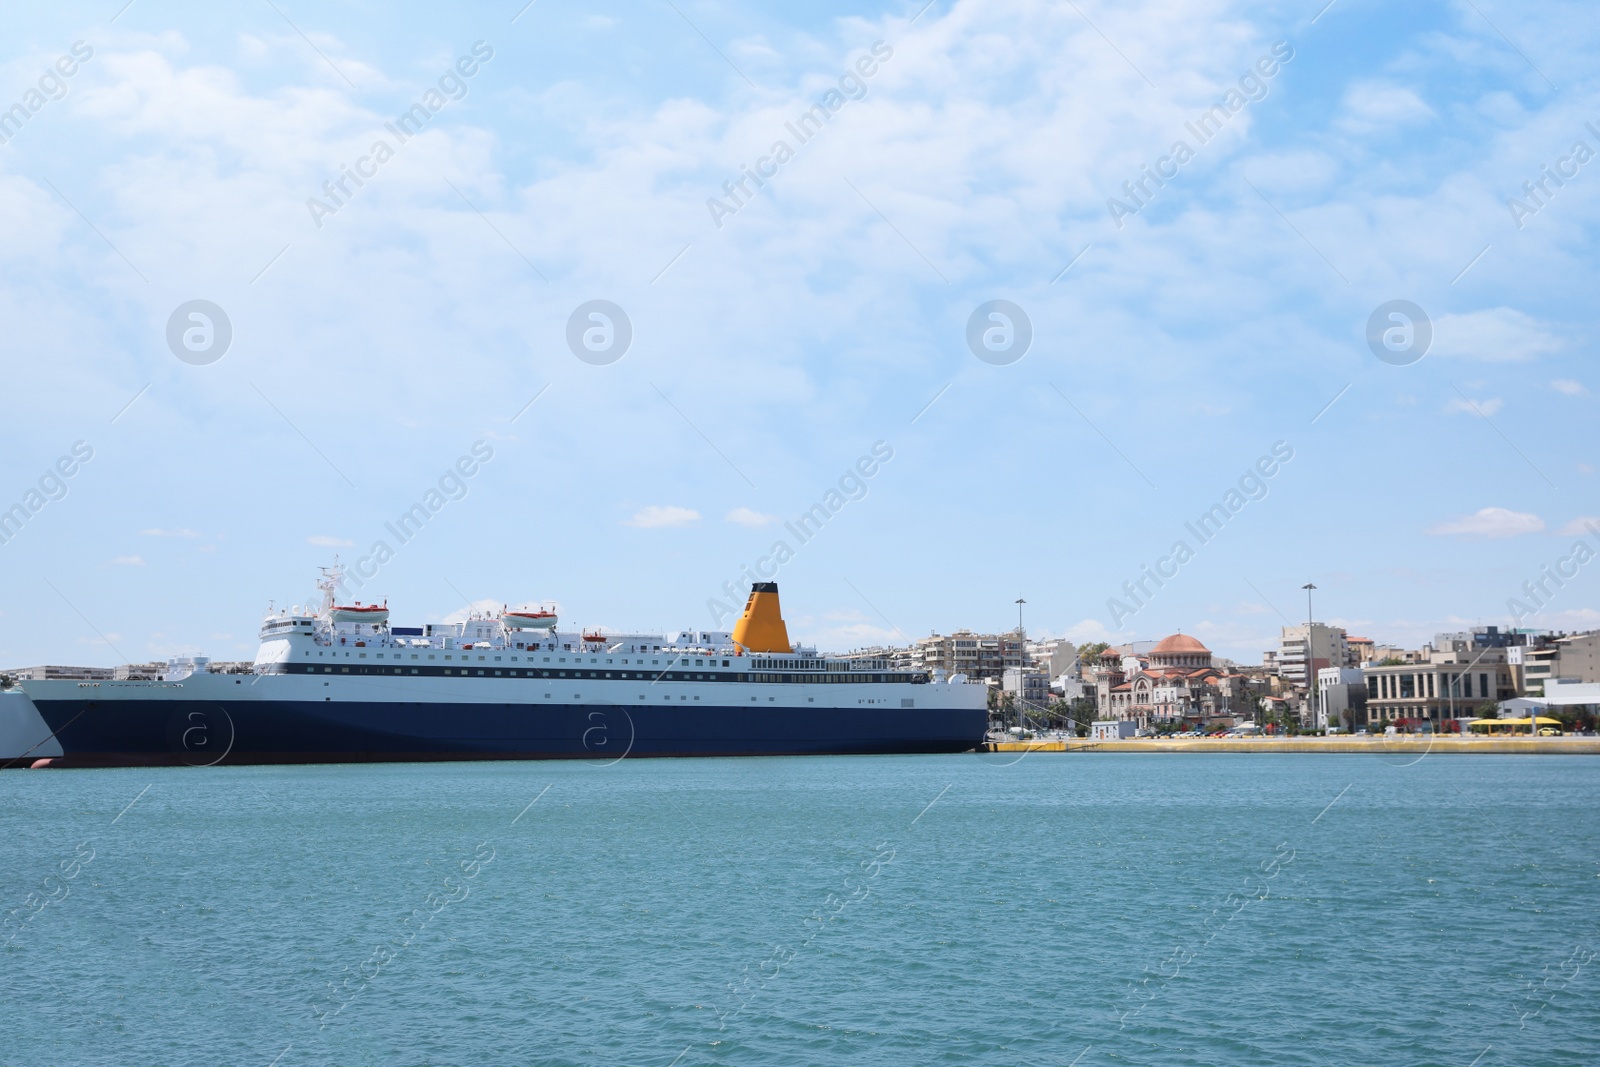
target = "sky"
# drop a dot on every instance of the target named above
(957, 322)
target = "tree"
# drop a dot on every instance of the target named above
(1089, 653)
(1075, 714)
(1055, 714)
(1002, 706)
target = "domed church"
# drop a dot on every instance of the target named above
(1175, 682)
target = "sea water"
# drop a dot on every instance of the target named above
(1055, 909)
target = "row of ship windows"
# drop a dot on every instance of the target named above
(543, 659)
(712, 662)
(654, 676)
(905, 702)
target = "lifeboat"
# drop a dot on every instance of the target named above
(357, 612)
(528, 620)
(595, 639)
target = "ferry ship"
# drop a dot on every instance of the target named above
(340, 684)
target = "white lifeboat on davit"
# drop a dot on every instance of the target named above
(528, 620)
(358, 612)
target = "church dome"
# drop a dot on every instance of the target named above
(1181, 653)
(1179, 643)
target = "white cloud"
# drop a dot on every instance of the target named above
(1578, 619)
(753, 519)
(128, 561)
(847, 630)
(324, 541)
(1568, 386)
(156, 532)
(1473, 407)
(1580, 526)
(1374, 105)
(1240, 642)
(1495, 335)
(1489, 524)
(1089, 630)
(656, 516)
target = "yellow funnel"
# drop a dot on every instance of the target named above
(760, 628)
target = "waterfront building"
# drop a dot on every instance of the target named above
(1486, 637)
(1342, 698)
(1570, 692)
(39, 674)
(1054, 656)
(983, 656)
(895, 657)
(1070, 687)
(1329, 646)
(1381, 653)
(1446, 684)
(1571, 658)
(1033, 686)
(139, 672)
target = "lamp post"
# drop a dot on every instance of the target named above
(1311, 656)
(1021, 684)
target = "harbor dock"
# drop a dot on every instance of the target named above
(1382, 745)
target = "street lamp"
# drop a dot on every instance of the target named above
(1311, 655)
(1021, 683)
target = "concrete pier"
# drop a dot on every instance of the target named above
(1399, 744)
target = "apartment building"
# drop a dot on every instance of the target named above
(1053, 656)
(1320, 644)
(1572, 659)
(1341, 698)
(1033, 686)
(972, 654)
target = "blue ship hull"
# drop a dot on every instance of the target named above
(204, 733)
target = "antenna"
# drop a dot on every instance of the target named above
(332, 578)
